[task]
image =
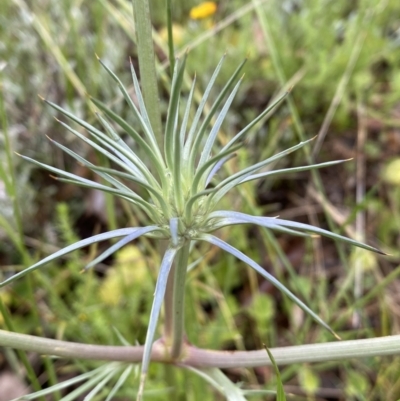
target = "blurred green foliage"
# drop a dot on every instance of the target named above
(48, 47)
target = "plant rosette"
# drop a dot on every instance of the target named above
(175, 178)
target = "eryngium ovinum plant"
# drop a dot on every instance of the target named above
(179, 205)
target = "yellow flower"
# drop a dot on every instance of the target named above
(203, 10)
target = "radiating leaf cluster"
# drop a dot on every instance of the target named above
(171, 180)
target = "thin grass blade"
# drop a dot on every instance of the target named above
(280, 392)
(121, 338)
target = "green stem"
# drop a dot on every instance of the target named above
(174, 303)
(331, 351)
(171, 51)
(148, 76)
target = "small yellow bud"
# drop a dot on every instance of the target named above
(203, 10)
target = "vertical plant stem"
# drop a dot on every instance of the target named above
(174, 302)
(148, 77)
(171, 51)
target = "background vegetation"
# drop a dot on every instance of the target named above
(342, 58)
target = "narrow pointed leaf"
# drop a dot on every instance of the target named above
(145, 125)
(292, 170)
(120, 244)
(172, 138)
(214, 160)
(122, 379)
(117, 184)
(83, 181)
(221, 383)
(199, 136)
(105, 139)
(156, 160)
(230, 182)
(133, 198)
(245, 130)
(187, 113)
(217, 167)
(117, 139)
(153, 192)
(62, 385)
(274, 223)
(77, 180)
(205, 154)
(125, 164)
(78, 245)
(155, 312)
(235, 252)
(139, 96)
(191, 201)
(326, 233)
(193, 129)
(73, 395)
(280, 392)
(100, 386)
